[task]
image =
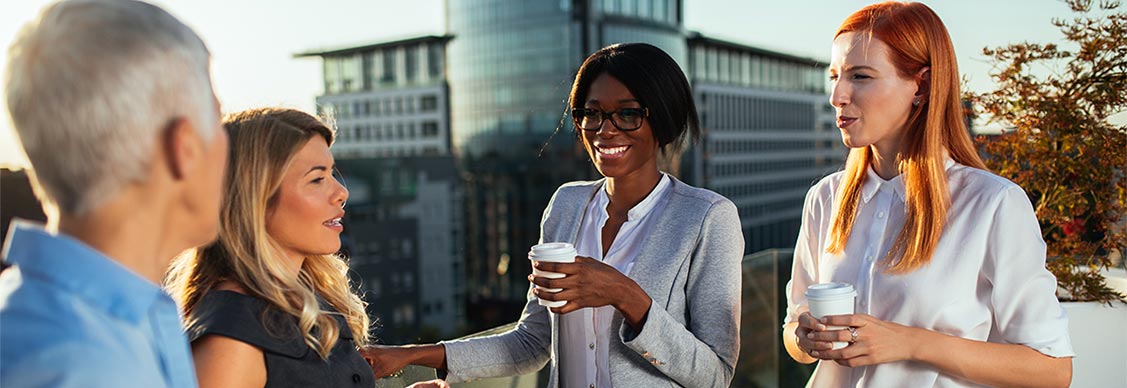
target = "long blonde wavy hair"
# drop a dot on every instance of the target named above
(917, 39)
(263, 143)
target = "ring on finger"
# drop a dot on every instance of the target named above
(852, 334)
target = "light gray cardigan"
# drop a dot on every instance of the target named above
(689, 265)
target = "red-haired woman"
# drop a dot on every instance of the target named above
(947, 258)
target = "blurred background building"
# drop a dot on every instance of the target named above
(403, 220)
(489, 100)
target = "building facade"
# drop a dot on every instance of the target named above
(403, 221)
(387, 99)
(769, 134)
(507, 70)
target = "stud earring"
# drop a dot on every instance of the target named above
(916, 103)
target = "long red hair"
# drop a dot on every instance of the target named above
(917, 39)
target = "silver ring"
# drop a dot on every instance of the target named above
(852, 334)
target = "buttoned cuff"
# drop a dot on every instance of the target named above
(649, 343)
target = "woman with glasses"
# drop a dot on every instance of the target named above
(269, 303)
(653, 297)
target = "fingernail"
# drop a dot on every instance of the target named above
(810, 335)
(814, 353)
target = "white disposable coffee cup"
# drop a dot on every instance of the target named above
(831, 299)
(556, 252)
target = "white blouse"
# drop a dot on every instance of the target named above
(986, 280)
(585, 334)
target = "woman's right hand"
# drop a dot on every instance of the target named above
(807, 324)
(386, 360)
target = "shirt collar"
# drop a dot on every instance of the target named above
(874, 183)
(71, 265)
(642, 208)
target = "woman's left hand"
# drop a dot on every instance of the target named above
(430, 384)
(877, 341)
(592, 283)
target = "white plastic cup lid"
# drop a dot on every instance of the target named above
(551, 249)
(830, 291)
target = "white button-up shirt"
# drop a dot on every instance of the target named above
(986, 280)
(585, 334)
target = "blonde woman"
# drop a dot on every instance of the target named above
(947, 258)
(269, 303)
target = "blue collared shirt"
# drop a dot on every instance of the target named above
(71, 317)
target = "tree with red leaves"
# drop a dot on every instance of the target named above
(1060, 142)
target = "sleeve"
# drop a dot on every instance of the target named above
(703, 353)
(806, 251)
(1023, 296)
(524, 349)
(242, 318)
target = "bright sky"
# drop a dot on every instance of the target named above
(252, 41)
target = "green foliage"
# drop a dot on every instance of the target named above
(1060, 144)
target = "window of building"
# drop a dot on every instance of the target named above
(725, 66)
(430, 103)
(388, 73)
(331, 70)
(434, 60)
(430, 129)
(411, 56)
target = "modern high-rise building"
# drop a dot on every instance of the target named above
(403, 221)
(769, 134)
(403, 234)
(509, 65)
(387, 99)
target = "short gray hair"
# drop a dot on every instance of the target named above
(92, 85)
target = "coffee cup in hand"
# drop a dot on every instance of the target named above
(557, 252)
(831, 299)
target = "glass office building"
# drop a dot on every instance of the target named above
(510, 67)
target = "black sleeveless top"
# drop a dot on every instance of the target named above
(290, 362)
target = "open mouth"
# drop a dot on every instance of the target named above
(334, 223)
(843, 121)
(611, 152)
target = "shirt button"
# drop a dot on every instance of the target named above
(592, 385)
(355, 378)
(869, 258)
(592, 346)
(880, 215)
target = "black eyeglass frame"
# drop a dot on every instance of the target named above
(577, 115)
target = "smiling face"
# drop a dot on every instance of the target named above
(617, 153)
(305, 215)
(873, 100)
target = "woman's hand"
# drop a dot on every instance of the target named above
(876, 341)
(808, 324)
(592, 283)
(386, 360)
(430, 384)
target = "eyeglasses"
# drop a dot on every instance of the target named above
(625, 119)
